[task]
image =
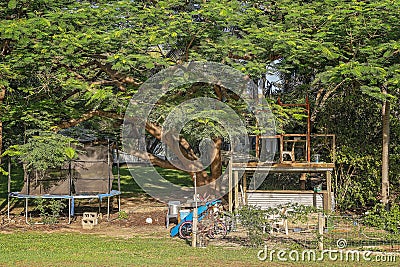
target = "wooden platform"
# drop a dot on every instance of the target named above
(282, 167)
(296, 167)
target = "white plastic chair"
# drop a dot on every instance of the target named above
(173, 211)
(276, 221)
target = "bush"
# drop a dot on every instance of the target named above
(384, 219)
(253, 219)
(49, 209)
(123, 215)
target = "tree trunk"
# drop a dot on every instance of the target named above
(216, 164)
(385, 149)
(1, 139)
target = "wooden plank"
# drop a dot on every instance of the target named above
(236, 183)
(329, 190)
(230, 207)
(244, 179)
(305, 192)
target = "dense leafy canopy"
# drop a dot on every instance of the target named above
(67, 63)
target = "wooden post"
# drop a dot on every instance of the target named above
(230, 187)
(308, 143)
(257, 146)
(314, 200)
(303, 179)
(329, 190)
(321, 223)
(236, 181)
(195, 215)
(281, 148)
(244, 188)
(325, 201)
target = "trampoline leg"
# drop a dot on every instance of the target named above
(108, 208)
(26, 211)
(72, 207)
(119, 203)
(8, 207)
(69, 211)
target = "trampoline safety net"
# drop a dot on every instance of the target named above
(90, 174)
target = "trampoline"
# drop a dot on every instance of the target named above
(88, 177)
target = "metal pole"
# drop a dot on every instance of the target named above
(108, 164)
(26, 210)
(9, 188)
(108, 208)
(119, 178)
(27, 192)
(69, 210)
(194, 226)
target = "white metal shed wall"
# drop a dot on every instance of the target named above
(265, 200)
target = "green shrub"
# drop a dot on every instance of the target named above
(384, 219)
(253, 220)
(123, 215)
(49, 209)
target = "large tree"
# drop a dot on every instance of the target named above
(66, 62)
(346, 54)
(71, 61)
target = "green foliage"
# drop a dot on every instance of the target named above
(61, 62)
(49, 209)
(123, 215)
(385, 219)
(299, 213)
(44, 151)
(253, 219)
(257, 221)
(3, 172)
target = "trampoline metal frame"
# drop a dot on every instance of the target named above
(71, 198)
(71, 201)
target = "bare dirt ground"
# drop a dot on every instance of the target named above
(136, 211)
(127, 225)
(132, 223)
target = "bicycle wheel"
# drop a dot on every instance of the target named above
(217, 231)
(185, 230)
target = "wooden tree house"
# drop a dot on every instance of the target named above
(304, 155)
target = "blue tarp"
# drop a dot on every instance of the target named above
(200, 210)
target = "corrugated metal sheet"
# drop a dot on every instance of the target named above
(265, 200)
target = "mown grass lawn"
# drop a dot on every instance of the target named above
(74, 249)
(33, 248)
(57, 249)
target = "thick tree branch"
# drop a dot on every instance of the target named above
(319, 103)
(87, 116)
(202, 177)
(153, 159)
(117, 77)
